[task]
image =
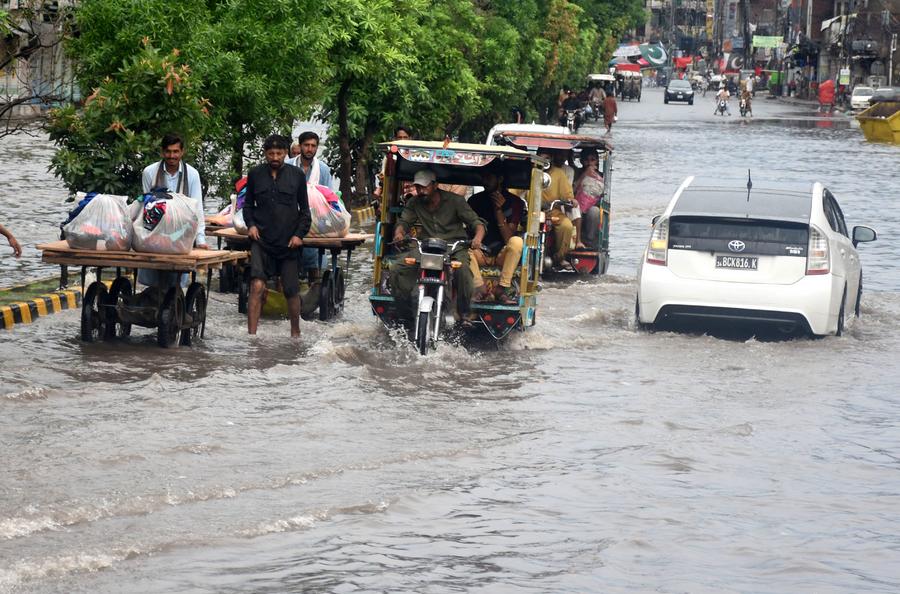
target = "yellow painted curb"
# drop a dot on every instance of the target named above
(24, 312)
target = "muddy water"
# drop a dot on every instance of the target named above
(582, 457)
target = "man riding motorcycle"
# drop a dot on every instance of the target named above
(722, 96)
(570, 103)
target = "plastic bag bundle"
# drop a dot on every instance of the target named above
(166, 226)
(330, 217)
(102, 224)
(590, 192)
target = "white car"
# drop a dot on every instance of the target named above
(859, 99)
(759, 257)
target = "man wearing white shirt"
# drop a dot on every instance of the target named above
(174, 175)
(317, 173)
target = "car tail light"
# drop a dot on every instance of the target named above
(817, 255)
(659, 243)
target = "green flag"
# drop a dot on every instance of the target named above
(654, 54)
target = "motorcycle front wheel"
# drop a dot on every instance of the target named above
(422, 333)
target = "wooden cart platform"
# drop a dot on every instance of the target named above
(59, 252)
(330, 296)
(109, 313)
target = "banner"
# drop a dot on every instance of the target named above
(771, 41)
(626, 51)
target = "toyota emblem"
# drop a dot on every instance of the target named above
(736, 245)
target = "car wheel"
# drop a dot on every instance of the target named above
(638, 325)
(691, 102)
(839, 331)
(665, 99)
(856, 310)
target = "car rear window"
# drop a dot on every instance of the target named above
(715, 234)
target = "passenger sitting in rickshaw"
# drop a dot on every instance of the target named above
(502, 246)
(564, 225)
(589, 189)
(443, 215)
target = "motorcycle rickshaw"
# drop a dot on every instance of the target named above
(594, 259)
(433, 315)
(632, 83)
(607, 82)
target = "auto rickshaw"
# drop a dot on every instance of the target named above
(607, 82)
(457, 164)
(594, 259)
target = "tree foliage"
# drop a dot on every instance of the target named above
(363, 66)
(104, 146)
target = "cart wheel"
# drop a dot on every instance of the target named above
(326, 296)
(243, 289)
(226, 278)
(339, 290)
(93, 318)
(194, 313)
(169, 318)
(119, 294)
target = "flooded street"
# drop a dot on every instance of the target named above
(583, 456)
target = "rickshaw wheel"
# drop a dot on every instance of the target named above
(422, 334)
(119, 294)
(93, 319)
(326, 296)
(339, 288)
(169, 318)
(195, 313)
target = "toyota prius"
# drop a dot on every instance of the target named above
(729, 254)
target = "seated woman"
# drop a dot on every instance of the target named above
(588, 192)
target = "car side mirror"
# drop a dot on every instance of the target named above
(654, 219)
(862, 234)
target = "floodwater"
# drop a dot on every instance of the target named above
(583, 456)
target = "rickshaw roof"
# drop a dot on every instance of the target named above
(607, 77)
(463, 163)
(549, 140)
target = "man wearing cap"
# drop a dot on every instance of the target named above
(443, 215)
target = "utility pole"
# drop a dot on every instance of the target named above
(891, 61)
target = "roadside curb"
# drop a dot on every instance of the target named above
(364, 215)
(23, 312)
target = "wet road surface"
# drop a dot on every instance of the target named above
(583, 456)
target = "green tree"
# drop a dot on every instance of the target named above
(104, 146)
(258, 63)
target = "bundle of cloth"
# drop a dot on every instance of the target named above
(99, 222)
(330, 217)
(165, 224)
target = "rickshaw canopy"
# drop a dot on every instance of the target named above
(600, 78)
(533, 141)
(462, 163)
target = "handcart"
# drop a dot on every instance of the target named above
(331, 289)
(108, 311)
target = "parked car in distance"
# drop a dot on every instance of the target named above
(885, 94)
(761, 258)
(679, 90)
(859, 98)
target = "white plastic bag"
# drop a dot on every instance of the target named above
(167, 226)
(103, 224)
(330, 217)
(239, 225)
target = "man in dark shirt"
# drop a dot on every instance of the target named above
(276, 211)
(502, 211)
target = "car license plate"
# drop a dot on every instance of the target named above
(737, 262)
(680, 96)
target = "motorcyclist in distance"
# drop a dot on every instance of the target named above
(722, 95)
